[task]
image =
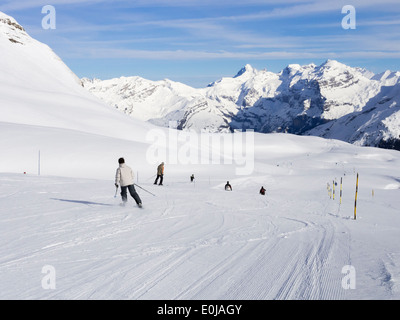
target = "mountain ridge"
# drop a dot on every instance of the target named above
(298, 99)
(331, 100)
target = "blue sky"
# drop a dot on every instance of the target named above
(197, 42)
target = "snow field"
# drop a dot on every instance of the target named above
(195, 240)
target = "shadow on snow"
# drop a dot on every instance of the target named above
(84, 202)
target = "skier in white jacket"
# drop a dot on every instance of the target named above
(124, 177)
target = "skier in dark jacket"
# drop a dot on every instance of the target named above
(262, 191)
(228, 187)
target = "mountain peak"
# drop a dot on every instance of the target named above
(246, 69)
(333, 64)
(10, 21)
(291, 69)
(11, 30)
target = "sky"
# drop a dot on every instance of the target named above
(200, 41)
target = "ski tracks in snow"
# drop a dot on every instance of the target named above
(259, 248)
(266, 256)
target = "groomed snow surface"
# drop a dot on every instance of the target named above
(195, 240)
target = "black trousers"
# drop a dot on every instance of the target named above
(132, 192)
(161, 176)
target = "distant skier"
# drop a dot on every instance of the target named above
(124, 177)
(262, 191)
(160, 174)
(228, 187)
(192, 178)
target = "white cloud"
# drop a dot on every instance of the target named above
(11, 6)
(110, 53)
(214, 36)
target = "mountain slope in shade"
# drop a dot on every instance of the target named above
(378, 124)
(297, 100)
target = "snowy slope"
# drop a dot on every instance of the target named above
(153, 99)
(296, 100)
(37, 88)
(197, 241)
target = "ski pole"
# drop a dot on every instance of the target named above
(145, 190)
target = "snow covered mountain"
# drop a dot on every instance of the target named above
(306, 99)
(37, 88)
(44, 108)
(331, 100)
(377, 124)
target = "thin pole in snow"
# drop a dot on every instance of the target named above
(341, 189)
(39, 164)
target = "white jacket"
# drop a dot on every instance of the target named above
(124, 175)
